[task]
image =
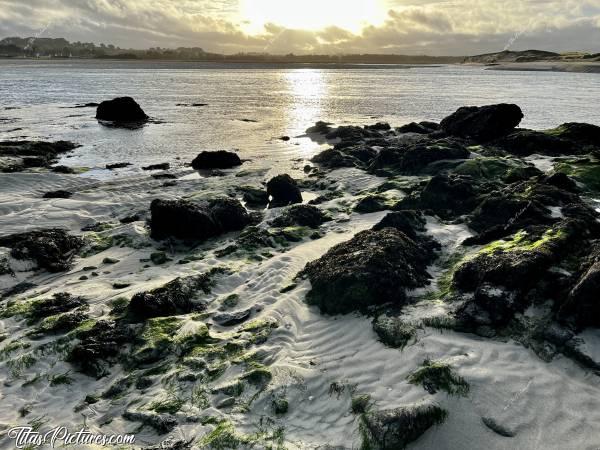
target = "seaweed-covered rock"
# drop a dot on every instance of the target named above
(220, 159)
(99, 346)
(53, 249)
(175, 297)
(583, 301)
(182, 219)
(393, 331)
(283, 190)
(371, 203)
(394, 429)
(528, 142)
(483, 123)
(408, 222)
(372, 268)
(254, 196)
(229, 213)
(121, 110)
(302, 215)
(581, 133)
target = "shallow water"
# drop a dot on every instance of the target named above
(250, 106)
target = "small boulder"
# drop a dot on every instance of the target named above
(394, 429)
(254, 196)
(121, 110)
(229, 214)
(161, 166)
(228, 319)
(58, 194)
(175, 297)
(220, 159)
(302, 215)
(483, 123)
(408, 222)
(372, 268)
(182, 219)
(283, 190)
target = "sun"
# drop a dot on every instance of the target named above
(351, 15)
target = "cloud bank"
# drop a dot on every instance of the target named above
(455, 27)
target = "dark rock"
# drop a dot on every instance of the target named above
(320, 128)
(562, 181)
(53, 249)
(283, 190)
(63, 169)
(99, 346)
(483, 123)
(32, 153)
(303, 215)
(583, 301)
(162, 423)
(408, 222)
(228, 319)
(372, 268)
(284, 138)
(581, 133)
(528, 142)
(118, 165)
(229, 214)
(379, 126)
(394, 429)
(254, 195)
(130, 219)
(182, 219)
(161, 166)
(121, 110)
(220, 159)
(58, 194)
(419, 128)
(333, 158)
(371, 203)
(164, 176)
(159, 258)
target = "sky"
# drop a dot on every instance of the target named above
(454, 27)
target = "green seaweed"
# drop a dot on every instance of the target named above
(437, 375)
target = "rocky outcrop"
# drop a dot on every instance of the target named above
(121, 110)
(183, 219)
(372, 268)
(220, 159)
(283, 191)
(394, 429)
(52, 249)
(483, 123)
(16, 156)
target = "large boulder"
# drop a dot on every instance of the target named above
(483, 123)
(394, 429)
(220, 159)
(283, 190)
(121, 110)
(52, 249)
(182, 219)
(372, 268)
(581, 133)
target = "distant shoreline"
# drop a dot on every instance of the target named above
(548, 66)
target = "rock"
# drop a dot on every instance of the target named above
(229, 214)
(483, 123)
(581, 133)
(159, 258)
(562, 181)
(372, 268)
(228, 319)
(175, 297)
(283, 190)
(162, 423)
(164, 176)
(419, 128)
(379, 126)
(62, 169)
(394, 429)
(182, 219)
(254, 196)
(118, 165)
(408, 222)
(58, 194)
(497, 428)
(161, 166)
(16, 156)
(284, 138)
(99, 346)
(302, 215)
(333, 158)
(527, 142)
(583, 304)
(220, 159)
(371, 203)
(320, 128)
(121, 110)
(53, 249)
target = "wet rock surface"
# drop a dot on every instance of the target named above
(283, 191)
(121, 110)
(220, 159)
(17, 156)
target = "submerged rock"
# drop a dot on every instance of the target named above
(302, 215)
(394, 429)
(283, 190)
(53, 249)
(219, 159)
(16, 156)
(483, 123)
(121, 110)
(372, 268)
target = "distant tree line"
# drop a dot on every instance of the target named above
(17, 47)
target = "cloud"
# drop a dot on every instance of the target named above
(454, 27)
